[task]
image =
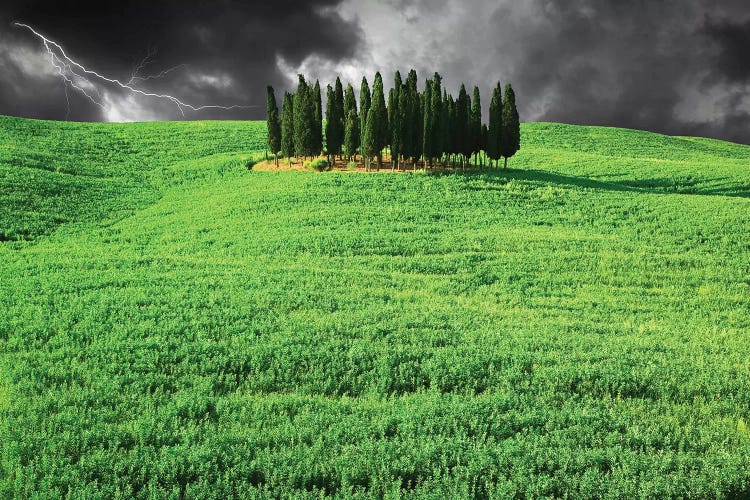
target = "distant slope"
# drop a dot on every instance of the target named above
(57, 172)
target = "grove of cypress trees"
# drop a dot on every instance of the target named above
(365, 101)
(511, 136)
(318, 124)
(380, 118)
(273, 124)
(350, 105)
(431, 125)
(287, 126)
(351, 134)
(495, 133)
(475, 123)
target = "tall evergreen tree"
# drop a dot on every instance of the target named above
(380, 117)
(463, 123)
(445, 138)
(511, 137)
(419, 127)
(338, 93)
(351, 134)
(287, 126)
(273, 124)
(365, 100)
(393, 108)
(475, 123)
(350, 104)
(400, 146)
(495, 134)
(318, 109)
(451, 138)
(304, 120)
(428, 124)
(369, 144)
(332, 123)
(393, 126)
(436, 115)
(412, 120)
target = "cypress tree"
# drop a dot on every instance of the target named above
(331, 123)
(338, 94)
(428, 123)
(304, 119)
(365, 101)
(369, 144)
(273, 125)
(380, 117)
(463, 123)
(451, 139)
(436, 115)
(419, 127)
(400, 146)
(350, 104)
(393, 126)
(318, 120)
(445, 137)
(412, 120)
(287, 126)
(495, 135)
(511, 136)
(351, 134)
(393, 109)
(475, 123)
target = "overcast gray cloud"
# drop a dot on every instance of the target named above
(677, 67)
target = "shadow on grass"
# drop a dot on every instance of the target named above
(666, 185)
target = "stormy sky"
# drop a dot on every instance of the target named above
(672, 66)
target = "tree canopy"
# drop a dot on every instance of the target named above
(428, 126)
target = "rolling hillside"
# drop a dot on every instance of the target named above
(174, 324)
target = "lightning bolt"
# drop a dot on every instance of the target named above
(136, 75)
(74, 74)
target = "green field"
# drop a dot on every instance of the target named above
(173, 324)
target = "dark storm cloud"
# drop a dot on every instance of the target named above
(733, 40)
(671, 66)
(663, 66)
(229, 49)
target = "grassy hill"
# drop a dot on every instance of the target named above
(174, 324)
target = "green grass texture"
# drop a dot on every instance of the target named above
(176, 325)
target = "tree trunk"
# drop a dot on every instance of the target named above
(506, 163)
